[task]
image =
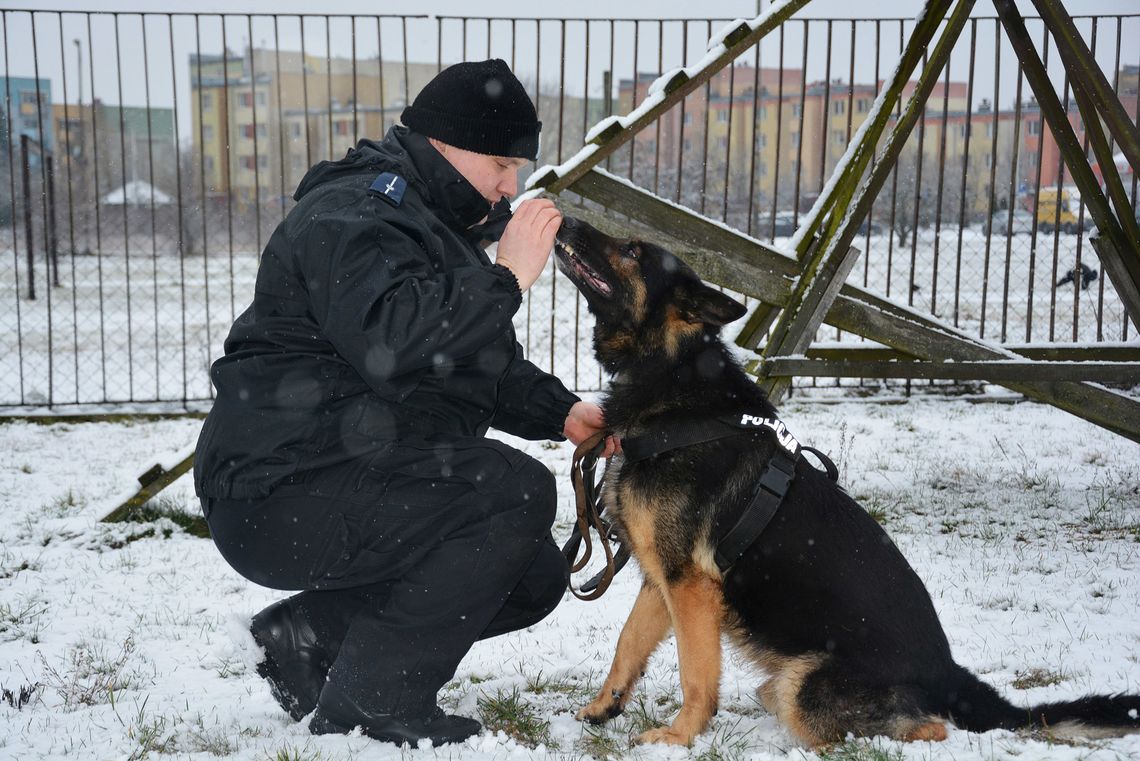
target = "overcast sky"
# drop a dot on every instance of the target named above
(529, 8)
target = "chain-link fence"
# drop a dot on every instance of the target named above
(160, 150)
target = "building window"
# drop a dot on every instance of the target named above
(796, 110)
(989, 129)
(762, 141)
(763, 112)
(989, 160)
(1035, 127)
(247, 131)
(296, 130)
(795, 139)
(207, 133)
(245, 99)
(29, 100)
(688, 145)
(863, 105)
(762, 168)
(247, 162)
(722, 115)
(208, 164)
(207, 100)
(794, 166)
(839, 107)
(688, 118)
(722, 143)
(962, 130)
(262, 98)
(838, 136)
(342, 127)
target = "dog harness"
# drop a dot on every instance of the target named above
(666, 436)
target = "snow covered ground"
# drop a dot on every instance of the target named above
(1023, 521)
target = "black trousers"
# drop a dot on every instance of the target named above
(405, 560)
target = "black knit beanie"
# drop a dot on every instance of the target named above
(478, 106)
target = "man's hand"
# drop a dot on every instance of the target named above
(528, 240)
(583, 421)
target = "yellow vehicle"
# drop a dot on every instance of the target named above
(1048, 214)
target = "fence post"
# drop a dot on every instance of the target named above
(50, 233)
(27, 182)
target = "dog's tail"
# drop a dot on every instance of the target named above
(978, 707)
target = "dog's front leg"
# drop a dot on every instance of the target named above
(647, 625)
(696, 607)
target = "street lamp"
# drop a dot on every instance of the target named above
(79, 66)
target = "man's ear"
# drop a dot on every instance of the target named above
(710, 306)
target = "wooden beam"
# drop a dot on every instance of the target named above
(825, 271)
(152, 482)
(859, 154)
(1085, 74)
(996, 371)
(1112, 352)
(734, 260)
(1120, 252)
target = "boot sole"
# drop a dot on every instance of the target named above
(322, 725)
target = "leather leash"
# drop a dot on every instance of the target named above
(589, 509)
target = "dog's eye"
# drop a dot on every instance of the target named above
(629, 251)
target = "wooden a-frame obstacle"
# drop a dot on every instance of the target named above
(801, 289)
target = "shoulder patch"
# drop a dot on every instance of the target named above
(389, 186)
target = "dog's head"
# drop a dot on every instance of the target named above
(646, 300)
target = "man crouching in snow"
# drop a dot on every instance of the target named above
(345, 454)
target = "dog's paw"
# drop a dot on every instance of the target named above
(667, 735)
(599, 711)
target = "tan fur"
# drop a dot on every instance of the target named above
(647, 625)
(676, 329)
(933, 731)
(780, 693)
(697, 608)
(637, 515)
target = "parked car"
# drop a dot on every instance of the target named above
(1060, 208)
(1000, 223)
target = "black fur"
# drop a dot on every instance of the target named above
(823, 582)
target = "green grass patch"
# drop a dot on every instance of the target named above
(175, 510)
(1036, 677)
(856, 750)
(510, 713)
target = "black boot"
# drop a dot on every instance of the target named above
(338, 714)
(295, 664)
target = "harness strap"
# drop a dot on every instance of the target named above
(774, 481)
(825, 461)
(667, 435)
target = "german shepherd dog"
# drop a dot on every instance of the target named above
(822, 600)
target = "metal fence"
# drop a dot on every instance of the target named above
(146, 158)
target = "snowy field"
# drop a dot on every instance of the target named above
(129, 640)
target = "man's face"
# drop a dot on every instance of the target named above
(493, 176)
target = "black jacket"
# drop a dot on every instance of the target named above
(373, 319)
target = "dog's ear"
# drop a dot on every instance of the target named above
(710, 306)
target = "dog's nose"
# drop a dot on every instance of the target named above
(568, 224)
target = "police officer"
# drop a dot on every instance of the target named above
(345, 454)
